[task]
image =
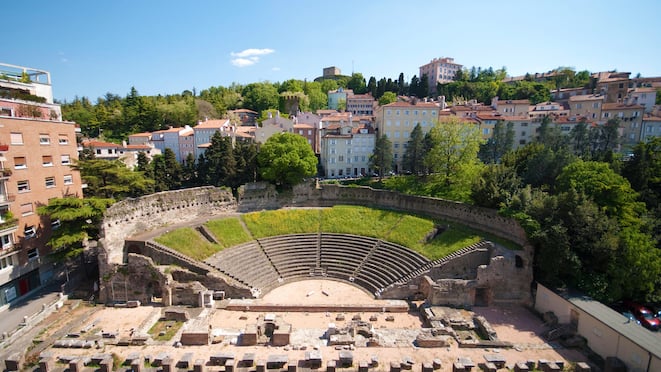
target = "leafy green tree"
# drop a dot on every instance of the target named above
(286, 159)
(260, 96)
(643, 170)
(415, 151)
(111, 179)
(496, 186)
(79, 220)
(381, 160)
(387, 97)
(605, 139)
(317, 97)
(580, 139)
(357, 83)
(550, 135)
(606, 188)
(245, 154)
(218, 165)
(454, 151)
(501, 141)
(189, 172)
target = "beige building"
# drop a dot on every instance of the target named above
(511, 107)
(361, 104)
(396, 121)
(631, 121)
(588, 106)
(608, 333)
(272, 125)
(439, 70)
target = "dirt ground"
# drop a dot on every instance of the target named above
(514, 324)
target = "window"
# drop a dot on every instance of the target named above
(47, 161)
(300, 131)
(20, 162)
(55, 224)
(606, 114)
(30, 232)
(309, 132)
(6, 262)
(44, 139)
(579, 106)
(33, 254)
(50, 182)
(406, 112)
(26, 209)
(340, 158)
(595, 105)
(23, 186)
(98, 151)
(5, 240)
(63, 139)
(65, 159)
(17, 138)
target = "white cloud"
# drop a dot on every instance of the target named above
(275, 69)
(252, 52)
(248, 57)
(243, 62)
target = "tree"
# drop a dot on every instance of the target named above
(580, 139)
(454, 151)
(111, 179)
(415, 151)
(381, 160)
(357, 83)
(260, 96)
(501, 141)
(371, 86)
(286, 159)
(79, 220)
(218, 165)
(166, 171)
(387, 97)
(643, 170)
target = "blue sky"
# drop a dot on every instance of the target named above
(164, 47)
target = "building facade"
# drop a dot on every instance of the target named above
(34, 168)
(439, 70)
(396, 121)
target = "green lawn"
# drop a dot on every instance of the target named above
(188, 241)
(408, 230)
(228, 231)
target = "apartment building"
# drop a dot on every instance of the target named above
(310, 133)
(511, 107)
(361, 104)
(396, 121)
(36, 151)
(345, 151)
(588, 106)
(613, 85)
(439, 70)
(204, 131)
(651, 127)
(630, 116)
(272, 125)
(335, 97)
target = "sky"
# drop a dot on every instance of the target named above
(165, 47)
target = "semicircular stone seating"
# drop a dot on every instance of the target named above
(371, 263)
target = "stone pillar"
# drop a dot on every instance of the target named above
(76, 365)
(395, 367)
(261, 366)
(427, 367)
(199, 365)
(291, 365)
(167, 364)
(14, 362)
(46, 364)
(106, 365)
(136, 365)
(331, 366)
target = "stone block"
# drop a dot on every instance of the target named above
(583, 367)
(291, 365)
(427, 367)
(136, 365)
(331, 366)
(46, 364)
(458, 367)
(199, 365)
(521, 367)
(14, 362)
(106, 365)
(76, 365)
(167, 364)
(437, 364)
(363, 366)
(395, 367)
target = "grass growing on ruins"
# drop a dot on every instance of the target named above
(376, 223)
(282, 221)
(404, 229)
(189, 242)
(228, 231)
(164, 330)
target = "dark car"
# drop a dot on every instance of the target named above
(645, 316)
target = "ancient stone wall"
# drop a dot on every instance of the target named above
(136, 216)
(506, 276)
(463, 267)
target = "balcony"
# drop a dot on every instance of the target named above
(5, 173)
(8, 226)
(6, 199)
(4, 148)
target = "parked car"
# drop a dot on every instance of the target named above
(645, 316)
(629, 315)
